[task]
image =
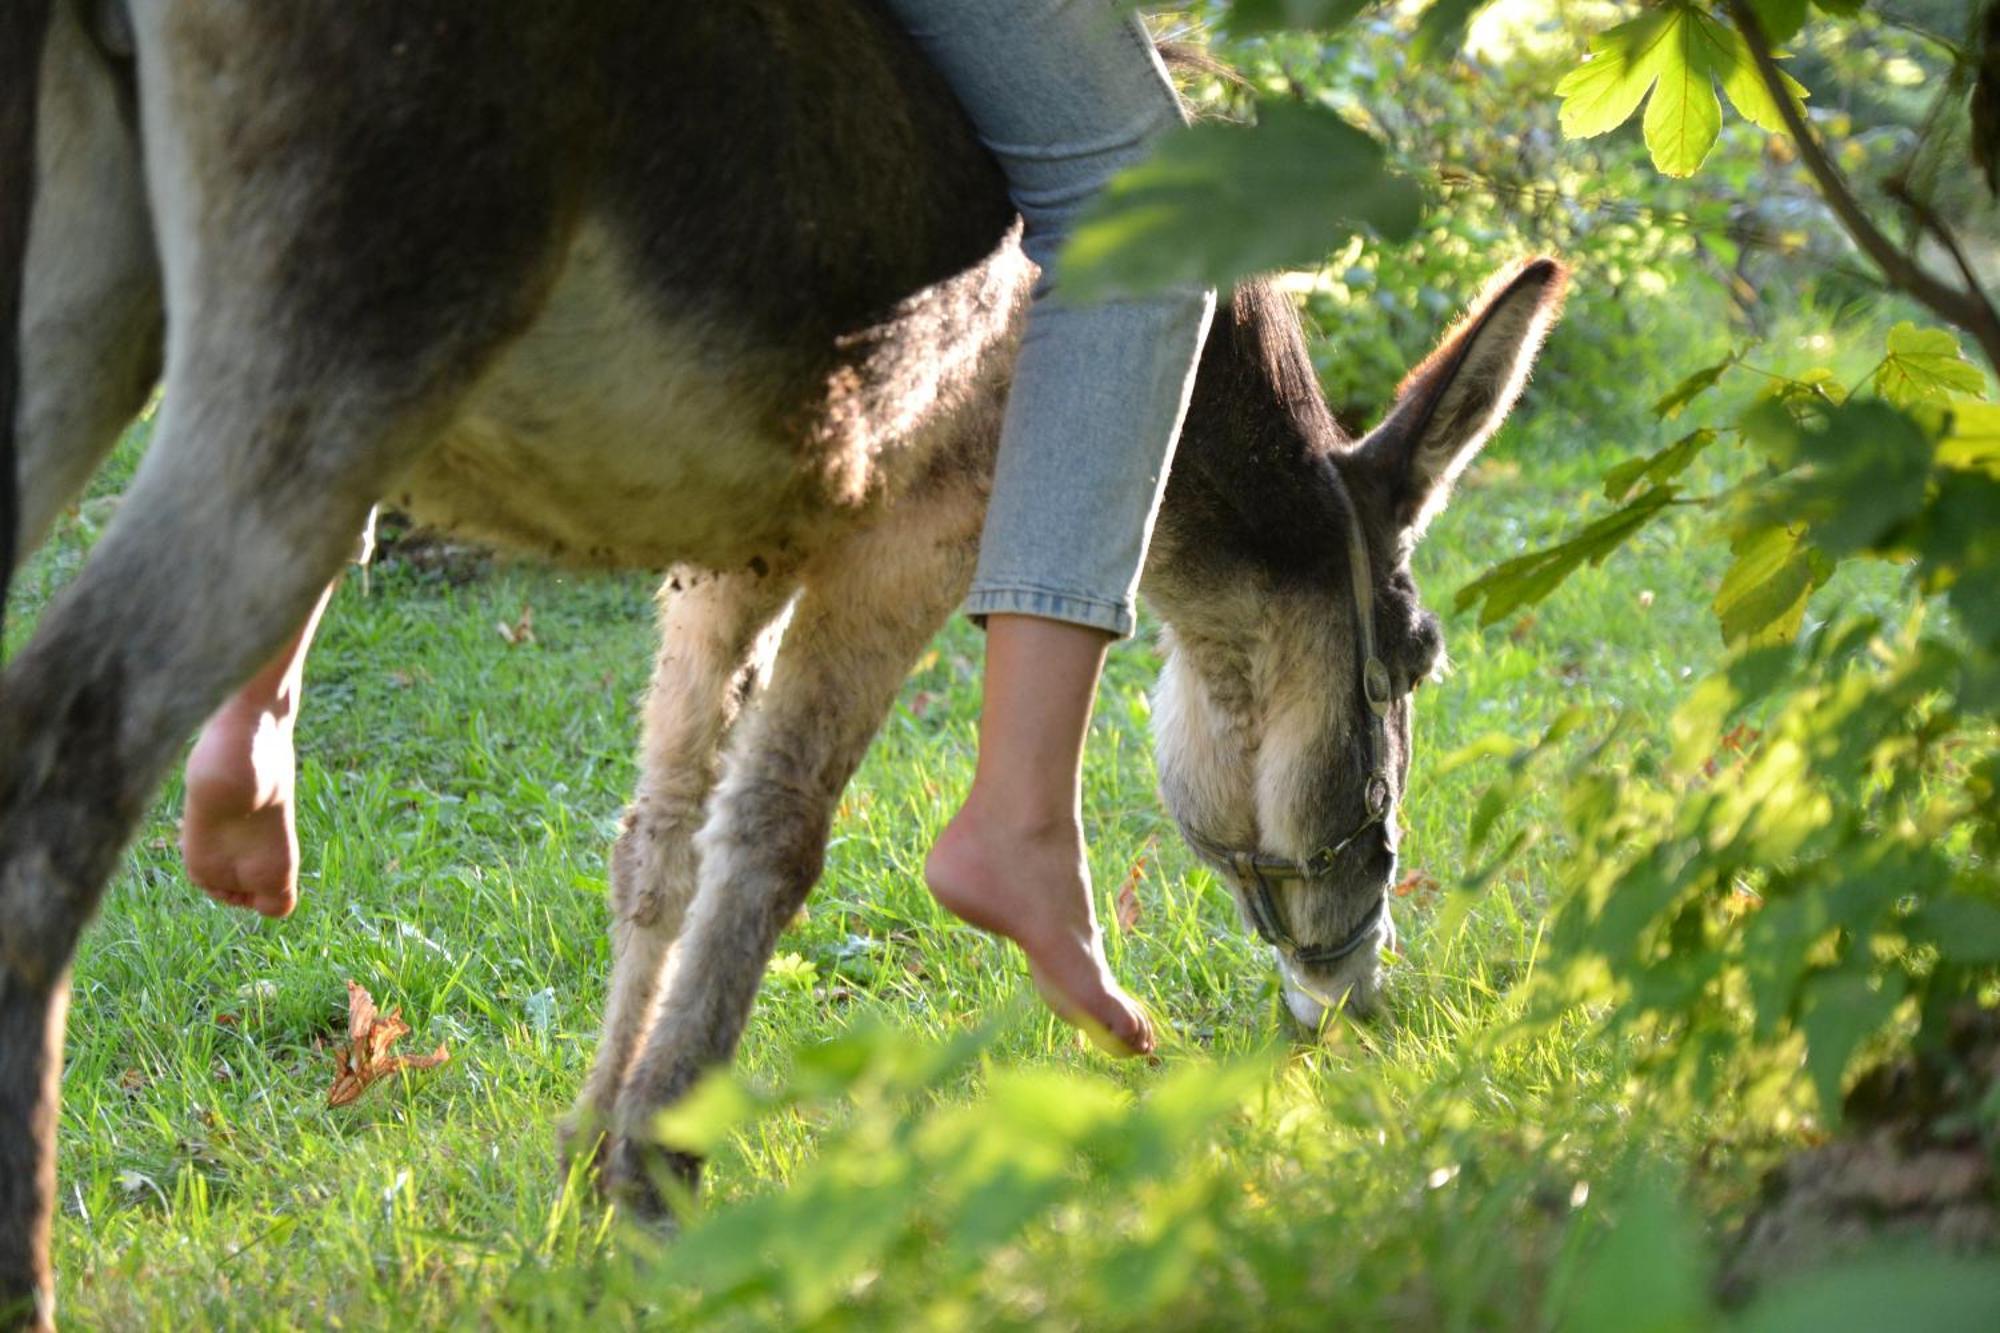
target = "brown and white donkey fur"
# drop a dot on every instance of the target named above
(729, 287)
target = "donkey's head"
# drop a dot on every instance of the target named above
(1295, 635)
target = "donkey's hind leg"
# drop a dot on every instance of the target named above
(717, 636)
(327, 304)
(211, 561)
(91, 317)
(869, 607)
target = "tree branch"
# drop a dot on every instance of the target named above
(1928, 220)
(1968, 311)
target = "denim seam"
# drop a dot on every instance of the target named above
(1114, 618)
(1020, 585)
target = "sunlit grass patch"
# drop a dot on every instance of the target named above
(459, 787)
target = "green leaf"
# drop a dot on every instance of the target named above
(1602, 93)
(1845, 9)
(1662, 466)
(1857, 472)
(1762, 600)
(1925, 365)
(1782, 19)
(1729, 56)
(718, 1106)
(1691, 388)
(1441, 31)
(1649, 1272)
(1527, 579)
(1220, 202)
(1958, 546)
(1886, 1290)
(1684, 115)
(1679, 53)
(1971, 440)
(1965, 929)
(1246, 18)
(1843, 1010)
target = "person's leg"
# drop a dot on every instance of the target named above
(1066, 93)
(1012, 861)
(239, 834)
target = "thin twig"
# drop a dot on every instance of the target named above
(1968, 311)
(1740, 233)
(1928, 220)
(1894, 20)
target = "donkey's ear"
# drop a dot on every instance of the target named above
(1449, 406)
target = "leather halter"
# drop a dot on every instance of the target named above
(1258, 874)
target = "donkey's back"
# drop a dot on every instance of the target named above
(777, 278)
(669, 283)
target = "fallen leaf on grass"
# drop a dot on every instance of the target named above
(366, 1058)
(521, 631)
(1126, 908)
(1419, 882)
(1736, 741)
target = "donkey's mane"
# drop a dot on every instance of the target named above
(1249, 484)
(1269, 329)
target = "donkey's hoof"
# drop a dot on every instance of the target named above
(646, 1181)
(582, 1141)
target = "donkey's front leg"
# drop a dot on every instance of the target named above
(868, 609)
(718, 634)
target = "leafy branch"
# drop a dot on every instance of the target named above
(1965, 308)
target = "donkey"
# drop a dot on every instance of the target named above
(730, 288)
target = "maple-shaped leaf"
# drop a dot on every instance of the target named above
(1925, 365)
(366, 1059)
(1678, 54)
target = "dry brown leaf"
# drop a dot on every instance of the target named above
(366, 1059)
(1125, 908)
(522, 630)
(1419, 882)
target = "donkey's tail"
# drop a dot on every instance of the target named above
(23, 24)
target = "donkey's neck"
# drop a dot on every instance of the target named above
(1249, 484)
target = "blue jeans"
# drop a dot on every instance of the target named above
(1065, 93)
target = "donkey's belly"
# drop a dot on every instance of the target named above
(612, 434)
(613, 451)
(608, 434)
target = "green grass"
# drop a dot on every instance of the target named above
(458, 798)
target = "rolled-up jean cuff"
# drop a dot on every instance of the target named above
(1114, 618)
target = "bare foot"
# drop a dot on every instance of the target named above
(1033, 886)
(238, 834)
